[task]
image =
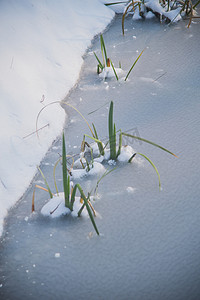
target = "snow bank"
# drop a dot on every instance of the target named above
(41, 48)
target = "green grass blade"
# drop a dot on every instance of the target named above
(103, 50)
(197, 3)
(147, 141)
(94, 139)
(114, 70)
(114, 142)
(120, 144)
(124, 15)
(81, 209)
(61, 103)
(104, 174)
(48, 188)
(54, 174)
(133, 65)
(64, 171)
(148, 159)
(88, 208)
(100, 64)
(73, 197)
(112, 135)
(100, 145)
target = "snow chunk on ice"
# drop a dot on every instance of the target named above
(130, 189)
(174, 15)
(57, 255)
(56, 207)
(109, 73)
(126, 153)
(97, 168)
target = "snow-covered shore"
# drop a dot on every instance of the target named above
(42, 43)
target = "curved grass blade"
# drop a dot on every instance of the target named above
(147, 141)
(104, 174)
(48, 188)
(63, 103)
(123, 17)
(133, 65)
(149, 160)
(114, 70)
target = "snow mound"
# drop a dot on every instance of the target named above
(56, 207)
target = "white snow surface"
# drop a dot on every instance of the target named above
(41, 48)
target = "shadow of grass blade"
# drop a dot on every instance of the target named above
(48, 188)
(133, 65)
(149, 160)
(149, 142)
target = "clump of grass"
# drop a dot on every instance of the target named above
(69, 191)
(114, 152)
(184, 8)
(107, 62)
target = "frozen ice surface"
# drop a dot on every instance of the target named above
(149, 245)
